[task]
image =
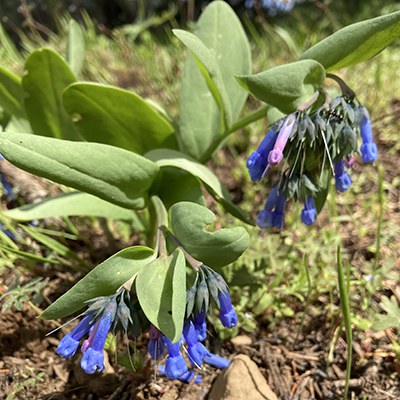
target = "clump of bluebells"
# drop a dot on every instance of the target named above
(310, 146)
(273, 7)
(122, 312)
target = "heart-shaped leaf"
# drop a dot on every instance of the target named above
(189, 224)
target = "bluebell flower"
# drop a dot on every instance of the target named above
(175, 365)
(309, 212)
(342, 178)
(258, 160)
(92, 349)
(227, 313)
(273, 214)
(187, 377)
(275, 156)
(369, 149)
(70, 342)
(156, 347)
(196, 350)
(216, 361)
(8, 188)
(200, 324)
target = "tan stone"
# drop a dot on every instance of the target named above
(242, 340)
(242, 380)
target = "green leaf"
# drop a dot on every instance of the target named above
(113, 174)
(216, 249)
(286, 86)
(17, 124)
(118, 117)
(75, 47)
(104, 280)
(11, 93)
(211, 73)
(71, 204)
(221, 32)
(355, 43)
(170, 158)
(46, 77)
(161, 290)
(178, 185)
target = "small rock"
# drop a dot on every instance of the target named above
(242, 340)
(242, 380)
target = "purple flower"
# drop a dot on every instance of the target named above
(273, 214)
(369, 149)
(156, 345)
(276, 154)
(309, 212)
(92, 349)
(227, 313)
(187, 377)
(70, 342)
(342, 178)
(175, 365)
(258, 160)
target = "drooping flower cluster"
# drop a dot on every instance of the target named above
(104, 314)
(315, 145)
(111, 313)
(208, 285)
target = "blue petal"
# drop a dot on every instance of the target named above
(196, 353)
(343, 182)
(216, 361)
(156, 348)
(186, 377)
(200, 325)
(175, 367)
(67, 346)
(92, 361)
(369, 152)
(228, 314)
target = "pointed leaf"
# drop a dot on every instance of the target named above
(355, 43)
(161, 290)
(11, 93)
(189, 224)
(220, 30)
(46, 77)
(171, 158)
(75, 47)
(211, 73)
(286, 86)
(113, 174)
(104, 280)
(72, 204)
(110, 115)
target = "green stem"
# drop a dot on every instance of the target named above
(344, 302)
(346, 91)
(380, 222)
(254, 116)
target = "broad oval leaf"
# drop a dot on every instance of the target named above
(11, 93)
(113, 174)
(220, 30)
(211, 73)
(286, 86)
(110, 115)
(72, 204)
(75, 47)
(189, 224)
(171, 158)
(355, 43)
(46, 77)
(161, 290)
(104, 280)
